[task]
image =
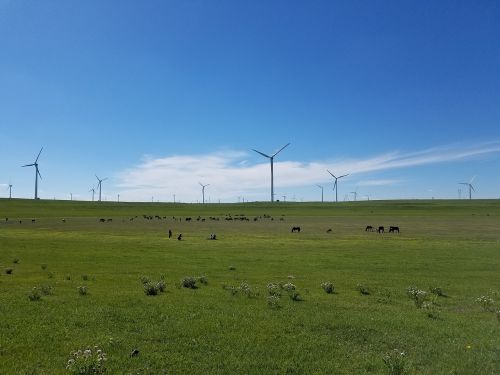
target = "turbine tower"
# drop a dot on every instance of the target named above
(203, 190)
(469, 184)
(355, 195)
(93, 193)
(321, 187)
(10, 191)
(99, 185)
(37, 172)
(335, 185)
(271, 159)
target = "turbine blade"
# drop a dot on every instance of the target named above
(344, 175)
(267, 156)
(97, 178)
(332, 175)
(38, 172)
(27, 165)
(281, 149)
(472, 187)
(38, 155)
(472, 179)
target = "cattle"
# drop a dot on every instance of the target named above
(179, 237)
(380, 229)
(295, 229)
(393, 229)
(369, 228)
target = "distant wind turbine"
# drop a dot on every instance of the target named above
(335, 185)
(271, 159)
(469, 184)
(203, 190)
(37, 172)
(99, 185)
(93, 193)
(355, 195)
(321, 187)
(10, 191)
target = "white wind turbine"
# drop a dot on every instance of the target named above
(271, 159)
(37, 172)
(99, 185)
(335, 185)
(203, 190)
(469, 184)
(321, 187)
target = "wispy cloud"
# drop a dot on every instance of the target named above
(380, 182)
(230, 174)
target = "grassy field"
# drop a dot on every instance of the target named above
(229, 325)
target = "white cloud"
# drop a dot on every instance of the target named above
(381, 182)
(230, 175)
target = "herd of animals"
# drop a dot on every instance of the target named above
(295, 229)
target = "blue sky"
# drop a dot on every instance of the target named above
(160, 95)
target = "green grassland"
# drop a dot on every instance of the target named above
(454, 245)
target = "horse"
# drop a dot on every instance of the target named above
(380, 229)
(393, 229)
(295, 229)
(369, 228)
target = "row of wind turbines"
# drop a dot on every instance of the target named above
(203, 186)
(37, 174)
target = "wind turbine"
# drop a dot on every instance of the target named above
(335, 185)
(93, 193)
(203, 190)
(10, 191)
(355, 195)
(37, 172)
(271, 158)
(321, 187)
(469, 184)
(99, 185)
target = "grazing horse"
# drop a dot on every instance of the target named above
(296, 229)
(393, 229)
(329, 230)
(188, 219)
(102, 220)
(369, 228)
(380, 229)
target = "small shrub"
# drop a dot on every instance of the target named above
(295, 296)
(498, 315)
(328, 287)
(44, 266)
(273, 301)
(248, 290)
(9, 271)
(161, 286)
(151, 289)
(289, 287)
(396, 362)
(16, 260)
(437, 291)
(35, 294)
(144, 279)
(274, 289)
(46, 290)
(431, 310)
(486, 302)
(87, 362)
(418, 296)
(202, 279)
(188, 282)
(82, 290)
(363, 289)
